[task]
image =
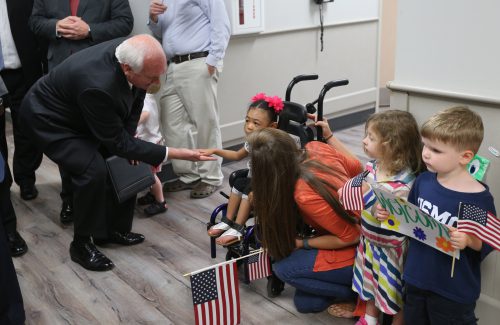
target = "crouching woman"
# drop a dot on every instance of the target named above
(296, 189)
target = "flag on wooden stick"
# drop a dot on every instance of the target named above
(481, 223)
(216, 296)
(258, 266)
(352, 193)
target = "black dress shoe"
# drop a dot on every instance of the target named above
(28, 192)
(66, 215)
(88, 256)
(121, 238)
(17, 245)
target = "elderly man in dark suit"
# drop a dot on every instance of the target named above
(83, 111)
(69, 26)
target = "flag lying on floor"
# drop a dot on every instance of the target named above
(352, 193)
(258, 266)
(481, 223)
(216, 296)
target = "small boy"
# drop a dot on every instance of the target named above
(450, 140)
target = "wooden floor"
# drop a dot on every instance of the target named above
(146, 286)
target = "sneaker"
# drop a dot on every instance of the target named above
(146, 199)
(202, 190)
(155, 208)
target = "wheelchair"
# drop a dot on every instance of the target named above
(292, 120)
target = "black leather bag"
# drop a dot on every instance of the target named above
(127, 179)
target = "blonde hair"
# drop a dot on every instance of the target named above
(401, 144)
(457, 126)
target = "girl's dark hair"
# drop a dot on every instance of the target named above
(264, 105)
(277, 164)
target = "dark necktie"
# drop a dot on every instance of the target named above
(73, 5)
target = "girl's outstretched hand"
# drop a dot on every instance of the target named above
(207, 152)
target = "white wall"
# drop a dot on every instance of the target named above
(450, 46)
(289, 46)
(447, 54)
(300, 14)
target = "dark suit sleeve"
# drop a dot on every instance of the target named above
(120, 23)
(39, 24)
(107, 122)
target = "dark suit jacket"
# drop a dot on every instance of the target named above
(27, 46)
(84, 103)
(108, 19)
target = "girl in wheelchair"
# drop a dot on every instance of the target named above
(262, 113)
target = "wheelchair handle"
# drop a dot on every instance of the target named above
(295, 81)
(329, 85)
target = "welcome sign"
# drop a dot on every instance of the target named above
(407, 219)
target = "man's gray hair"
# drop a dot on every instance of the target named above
(132, 52)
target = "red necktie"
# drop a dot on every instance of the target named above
(73, 5)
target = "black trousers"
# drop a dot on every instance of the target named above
(27, 157)
(96, 208)
(7, 213)
(66, 187)
(11, 301)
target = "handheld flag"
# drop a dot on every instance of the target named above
(352, 193)
(216, 296)
(481, 223)
(258, 266)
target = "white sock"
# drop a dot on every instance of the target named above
(370, 320)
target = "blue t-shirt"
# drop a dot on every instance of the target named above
(428, 269)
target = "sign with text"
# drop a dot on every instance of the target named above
(407, 219)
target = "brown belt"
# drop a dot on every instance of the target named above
(187, 57)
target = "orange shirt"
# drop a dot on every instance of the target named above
(317, 213)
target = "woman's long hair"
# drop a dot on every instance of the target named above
(277, 164)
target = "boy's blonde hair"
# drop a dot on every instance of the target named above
(457, 126)
(402, 146)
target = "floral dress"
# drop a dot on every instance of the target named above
(378, 268)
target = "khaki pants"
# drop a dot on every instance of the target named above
(189, 117)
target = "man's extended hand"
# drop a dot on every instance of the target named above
(188, 154)
(73, 28)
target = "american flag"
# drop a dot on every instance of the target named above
(216, 296)
(481, 223)
(352, 194)
(258, 266)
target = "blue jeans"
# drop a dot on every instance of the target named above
(315, 291)
(424, 307)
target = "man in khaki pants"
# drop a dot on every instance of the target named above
(195, 35)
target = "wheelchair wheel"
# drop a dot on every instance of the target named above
(230, 255)
(274, 286)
